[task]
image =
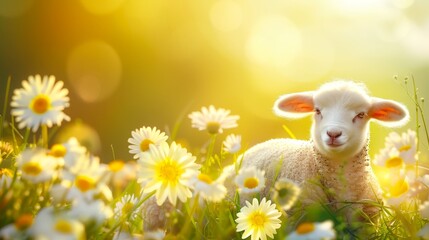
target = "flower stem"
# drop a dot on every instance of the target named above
(44, 136)
(6, 96)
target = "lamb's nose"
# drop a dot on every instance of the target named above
(334, 134)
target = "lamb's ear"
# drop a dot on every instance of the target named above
(388, 113)
(294, 105)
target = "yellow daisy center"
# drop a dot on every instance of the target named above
(63, 226)
(394, 162)
(40, 104)
(404, 148)
(58, 150)
(251, 182)
(305, 228)
(169, 171)
(213, 127)
(144, 145)
(258, 219)
(399, 188)
(127, 208)
(32, 168)
(6, 172)
(205, 178)
(84, 183)
(116, 165)
(24, 221)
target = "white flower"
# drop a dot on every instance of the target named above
(154, 235)
(232, 143)
(250, 180)
(142, 138)
(398, 192)
(424, 209)
(258, 220)
(213, 120)
(95, 211)
(36, 166)
(40, 102)
(406, 144)
(51, 225)
(424, 232)
(87, 179)
(122, 172)
(18, 229)
(5, 178)
(70, 151)
(389, 157)
(285, 193)
(126, 207)
(313, 231)
(168, 171)
(213, 191)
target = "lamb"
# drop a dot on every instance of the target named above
(338, 146)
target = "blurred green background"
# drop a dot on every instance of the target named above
(134, 63)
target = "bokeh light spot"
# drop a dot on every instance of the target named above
(100, 7)
(274, 41)
(14, 8)
(226, 15)
(94, 69)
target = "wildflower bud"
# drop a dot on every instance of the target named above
(422, 99)
(395, 77)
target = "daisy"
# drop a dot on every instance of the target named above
(406, 144)
(232, 143)
(90, 212)
(87, 178)
(142, 138)
(36, 166)
(424, 232)
(168, 171)
(389, 157)
(398, 192)
(18, 229)
(258, 220)
(121, 172)
(250, 180)
(40, 102)
(125, 208)
(209, 189)
(51, 225)
(70, 151)
(313, 231)
(213, 120)
(424, 209)
(285, 193)
(6, 176)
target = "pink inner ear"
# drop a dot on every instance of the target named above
(386, 113)
(296, 106)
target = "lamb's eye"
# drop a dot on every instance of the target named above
(317, 111)
(361, 115)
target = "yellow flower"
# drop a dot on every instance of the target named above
(168, 171)
(213, 120)
(209, 189)
(125, 207)
(40, 102)
(258, 220)
(406, 144)
(36, 166)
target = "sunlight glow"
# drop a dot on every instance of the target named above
(100, 7)
(226, 15)
(94, 69)
(274, 41)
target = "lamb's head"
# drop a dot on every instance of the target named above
(342, 111)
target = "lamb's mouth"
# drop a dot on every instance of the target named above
(334, 144)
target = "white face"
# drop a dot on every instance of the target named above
(340, 128)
